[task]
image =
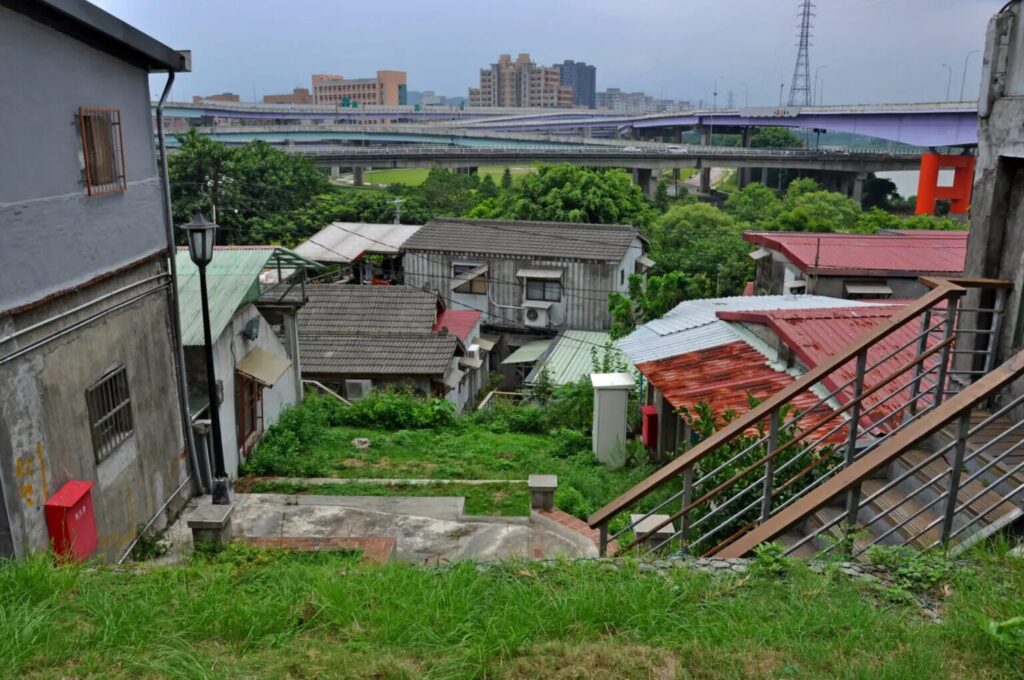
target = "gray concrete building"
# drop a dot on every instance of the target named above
(582, 78)
(88, 383)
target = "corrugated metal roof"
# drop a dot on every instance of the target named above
(343, 242)
(694, 324)
(722, 376)
(528, 353)
(232, 279)
(570, 356)
(905, 253)
(511, 239)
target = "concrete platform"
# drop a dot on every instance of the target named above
(426, 530)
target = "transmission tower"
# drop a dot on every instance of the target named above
(800, 90)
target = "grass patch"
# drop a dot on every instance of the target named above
(293, 619)
(481, 499)
(414, 177)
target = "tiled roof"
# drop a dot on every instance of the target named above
(426, 354)
(520, 238)
(459, 322)
(722, 376)
(694, 324)
(346, 308)
(902, 253)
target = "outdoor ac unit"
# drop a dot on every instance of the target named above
(357, 389)
(535, 317)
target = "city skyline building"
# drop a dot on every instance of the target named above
(521, 84)
(582, 78)
(388, 88)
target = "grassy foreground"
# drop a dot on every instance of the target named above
(416, 176)
(250, 616)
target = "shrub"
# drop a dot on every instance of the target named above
(569, 499)
(397, 411)
(527, 420)
(571, 442)
(285, 447)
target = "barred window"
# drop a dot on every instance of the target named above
(103, 147)
(110, 412)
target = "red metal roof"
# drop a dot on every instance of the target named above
(902, 253)
(722, 376)
(814, 335)
(458, 321)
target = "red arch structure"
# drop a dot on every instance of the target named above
(929, 191)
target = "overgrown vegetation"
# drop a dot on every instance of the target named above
(248, 612)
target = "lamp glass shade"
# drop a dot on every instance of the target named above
(201, 234)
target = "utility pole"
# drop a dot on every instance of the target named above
(730, 100)
(782, 89)
(800, 91)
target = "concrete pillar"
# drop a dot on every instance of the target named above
(357, 176)
(471, 170)
(647, 181)
(611, 397)
(858, 186)
(335, 172)
(743, 174)
(705, 172)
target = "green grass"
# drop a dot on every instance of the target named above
(416, 176)
(470, 451)
(481, 499)
(279, 618)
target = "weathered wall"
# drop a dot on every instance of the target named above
(46, 77)
(43, 407)
(228, 350)
(585, 287)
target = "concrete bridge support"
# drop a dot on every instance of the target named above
(743, 175)
(357, 176)
(472, 170)
(705, 172)
(335, 172)
(647, 180)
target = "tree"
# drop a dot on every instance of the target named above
(661, 196)
(797, 188)
(569, 193)
(448, 192)
(488, 189)
(653, 298)
(879, 192)
(876, 219)
(506, 180)
(754, 206)
(775, 138)
(701, 239)
(818, 211)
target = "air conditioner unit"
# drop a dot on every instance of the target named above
(357, 389)
(535, 317)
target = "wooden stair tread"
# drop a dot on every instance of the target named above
(988, 500)
(791, 538)
(826, 514)
(895, 507)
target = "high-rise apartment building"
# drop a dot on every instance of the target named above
(388, 88)
(520, 83)
(582, 78)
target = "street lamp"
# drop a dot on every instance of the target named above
(949, 78)
(714, 107)
(963, 80)
(816, 72)
(201, 235)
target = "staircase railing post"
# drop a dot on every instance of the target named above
(602, 546)
(769, 466)
(684, 521)
(950, 329)
(853, 494)
(922, 347)
(963, 427)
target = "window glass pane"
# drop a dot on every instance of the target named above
(534, 289)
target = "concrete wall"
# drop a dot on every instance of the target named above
(995, 247)
(54, 235)
(228, 350)
(46, 429)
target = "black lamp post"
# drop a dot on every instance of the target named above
(201, 235)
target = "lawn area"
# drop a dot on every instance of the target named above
(481, 499)
(416, 176)
(247, 614)
(464, 450)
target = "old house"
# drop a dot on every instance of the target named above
(855, 266)
(89, 388)
(360, 252)
(357, 338)
(255, 341)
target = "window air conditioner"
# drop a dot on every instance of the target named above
(357, 389)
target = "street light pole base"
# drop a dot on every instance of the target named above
(221, 491)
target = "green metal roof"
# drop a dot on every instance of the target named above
(528, 353)
(232, 279)
(570, 357)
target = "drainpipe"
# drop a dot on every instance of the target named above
(172, 294)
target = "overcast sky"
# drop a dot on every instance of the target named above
(871, 50)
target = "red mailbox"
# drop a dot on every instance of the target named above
(649, 425)
(70, 519)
